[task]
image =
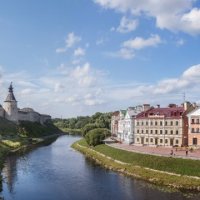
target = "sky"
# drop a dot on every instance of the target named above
(71, 58)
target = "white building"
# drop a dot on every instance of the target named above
(126, 124)
(11, 112)
(121, 125)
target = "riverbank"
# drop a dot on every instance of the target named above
(15, 147)
(176, 173)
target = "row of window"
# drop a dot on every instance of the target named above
(158, 132)
(195, 130)
(195, 121)
(151, 140)
(156, 123)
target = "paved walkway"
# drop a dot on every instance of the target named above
(160, 151)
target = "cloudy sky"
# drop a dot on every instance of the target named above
(71, 58)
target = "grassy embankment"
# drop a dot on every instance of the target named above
(175, 173)
(15, 138)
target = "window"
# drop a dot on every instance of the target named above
(160, 123)
(147, 140)
(165, 123)
(192, 121)
(176, 132)
(142, 131)
(156, 123)
(156, 131)
(138, 123)
(138, 131)
(151, 123)
(166, 141)
(197, 130)
(151, 140)
(194, 141)
(171, 123)
(161, 140)
(193, 130)
(176, 123)
(142, 123)
(147, 131)
(171, 132)
(166, 131)
(151, 131)
(146, 123)
(177, 141)
(197, 121)
(138, 140)
(161, 132)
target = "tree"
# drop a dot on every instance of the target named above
(96, 136)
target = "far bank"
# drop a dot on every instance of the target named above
(22, 137)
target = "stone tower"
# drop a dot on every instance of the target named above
(10, 106)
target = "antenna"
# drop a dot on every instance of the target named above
(184, 96)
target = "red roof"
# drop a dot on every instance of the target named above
(116, 113)
(173, 112)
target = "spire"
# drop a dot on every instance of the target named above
(11, 96)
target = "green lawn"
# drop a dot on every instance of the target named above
(174, 165)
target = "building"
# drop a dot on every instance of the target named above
(11, 112)
(121, 125)
(114, 123)
(126, 123)
(161, 126)
(129, 123)
(194, 127)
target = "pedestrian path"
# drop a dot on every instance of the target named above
(160, 151)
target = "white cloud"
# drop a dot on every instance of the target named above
(174, 15)
(127, 25)
(70, 42)
(61, 50)
(129, 47)
(140, 43)
(79, 52)
(84, 90)
(180, 42)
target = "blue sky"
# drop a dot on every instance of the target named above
(70, 58)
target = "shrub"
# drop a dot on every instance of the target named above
(88, 128)
(95, 136)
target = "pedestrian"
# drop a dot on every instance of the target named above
(172, 152)
(186, 152)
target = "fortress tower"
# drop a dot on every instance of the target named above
(10, 106)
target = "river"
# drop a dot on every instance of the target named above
(57, 172)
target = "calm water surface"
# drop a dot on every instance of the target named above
(57, 172)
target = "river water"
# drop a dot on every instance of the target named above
(57, 172)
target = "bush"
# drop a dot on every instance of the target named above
(88, 128)
(95, 136)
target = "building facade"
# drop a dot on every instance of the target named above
(160, 126)
(121, 125)
(11, 112)
(114, 123)
(194, 127)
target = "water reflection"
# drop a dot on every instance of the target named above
(57, 172)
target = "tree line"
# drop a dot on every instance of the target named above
(94, 128)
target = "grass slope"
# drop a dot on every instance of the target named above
(173, 172)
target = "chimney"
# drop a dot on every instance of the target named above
(158, 106)
(146, 107)
(172, 105)
(186, 105)
(194, 105)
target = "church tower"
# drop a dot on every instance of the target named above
(10, 106)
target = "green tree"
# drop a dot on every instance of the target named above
(96, 136)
